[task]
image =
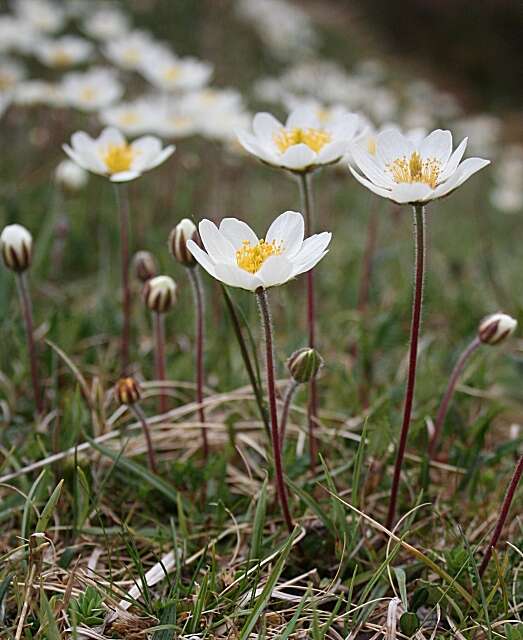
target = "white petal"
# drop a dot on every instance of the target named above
(408, 192)
(162, 156)
(453, 162)
(201, 257)
(125, 176)
(299, 156)
(332, 151)
(274, 271)
(86, 157)
(81, 141)
(237, 231)
(380, 191)
(216, 245)
(391, 145)
(264, 127)
(288, 228)
(111, 135)
(303, 117)
(345, 128)
(309, 264)
(252, 145)
(368, 166)
(437, 145)
(466, 169)
(233, 276)
(312, 247)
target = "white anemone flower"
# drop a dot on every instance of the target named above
(133, 118)
(44, 16)
(303, 143)
(106, 23)
(415, 172)
(63, 52)
(111, 155)
(91, 90)
(238, 258)
(131, 49)
(169, 73)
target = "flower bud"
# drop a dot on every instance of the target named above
(495, 328)
(16, 245)
(144, 265)
(70, 175)
(127, 391)
(160, 293)
(183, 231)
(304, 364)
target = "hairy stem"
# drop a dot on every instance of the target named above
(419, 276)
(159, 357)
(27, 312)
(122, 199)
(197, 289)
(505, 507)
(263, 302)
(289, 394)
(312, 405)
(453, 380)
(151, 458)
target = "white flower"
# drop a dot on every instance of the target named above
(217, 113)
(40, 14)
(130, 50)
(11, 74)
(303, 143)
(106, 23)
(34, 92)
(413, 172)
(507, 194)
(111, 155)
(235, 256)
(92, 90)
(134, 118)
(63, 52)
(170, 73)
(16, 247)
(173, 119)
(16, 34)
(495, 328)
(71, 175)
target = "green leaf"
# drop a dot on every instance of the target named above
(409, 623)
(402, 584)
(258, 523)
(49, 508)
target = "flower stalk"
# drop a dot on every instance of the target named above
(263, 303)
(27, 312)
(419, 277)
(287, 400)
(505, 507)
(151, 458)
(197, 289)
(312, 405)
(122, 200)
(159, 357)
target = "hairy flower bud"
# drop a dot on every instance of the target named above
(160, 293)
(127, 391)
(16, 246)
(183, 231)
(70, 175)
(144, 265)
(495, 328)
(304, 364)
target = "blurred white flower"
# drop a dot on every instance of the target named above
(408, 172)
(36, 92)
(484, 131)
(71, 175)
(133, 118)
(111, 155)
(91, 90)
(173, 119)
(507, 194)
(130, 50)
(303, 143)
(106, 23)
(11, 74)
(16, 35)
(44, 16)
(217, 113)
(63, 52)
(170, 73)
(235, 256)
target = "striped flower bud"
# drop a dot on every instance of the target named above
(183, 231)
(495, 328)
(304, 364)
(127, 391)
(144, 265)
(160, 293)
(16, 245)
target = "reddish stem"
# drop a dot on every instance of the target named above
(419, 235)
(159, 357)
(509, 496)
(263, 302)
(443, 408)
(149, 444)
(27, 312)
(122, 199)
(289, 394)
(199, 316)
(312, 405)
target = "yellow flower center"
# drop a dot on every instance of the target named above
(61, 58)
(88, 94)
(6, 81)
(128, 118)
(251, 258)
(315, 139)
(131, 55)
(118, 157)
(171, 73)
(415, 169)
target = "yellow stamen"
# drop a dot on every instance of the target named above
(171, 73)
(128, 118)
(251, 258)
(371, 146)
(88, 94)
(61, 58)
(315, 139)
(415, 169)
(6, 81)
(118, 157)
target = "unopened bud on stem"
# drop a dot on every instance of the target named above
(183, 231)
(144, 265)
(304, 364)
(16, 246)
(495, 328)
(160, 294)
(128, 391)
